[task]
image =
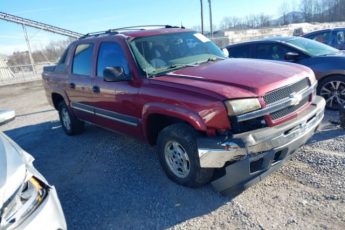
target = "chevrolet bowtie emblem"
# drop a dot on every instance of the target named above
(295, 99)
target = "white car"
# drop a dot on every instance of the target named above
(27, 201)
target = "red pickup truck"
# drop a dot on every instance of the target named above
(175, 88)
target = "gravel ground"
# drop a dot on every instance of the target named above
(111, 181)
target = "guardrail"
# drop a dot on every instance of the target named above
(21, 73)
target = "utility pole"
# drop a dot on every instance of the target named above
(210, 9)
(202, 16)
(29, 49)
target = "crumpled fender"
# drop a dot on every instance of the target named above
(178, 112)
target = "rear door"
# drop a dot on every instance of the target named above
(79, 82)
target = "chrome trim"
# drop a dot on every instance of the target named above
(216, 158)
(105, 113)
(117, 119)
(82, 107)
(278, 105)
(83, 110)
(215, 153)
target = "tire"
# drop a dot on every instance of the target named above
(178, 155)
(333, 90)
(70, 123)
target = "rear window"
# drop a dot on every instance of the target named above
(82, 60)
(323, 37)
(61, 65)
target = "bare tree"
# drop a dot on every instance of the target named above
(264, 20)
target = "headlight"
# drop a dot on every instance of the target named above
(26, 200)
(241, 106)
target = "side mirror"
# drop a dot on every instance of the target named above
(226, 52)
(114, 74)
(6, 116)
(291, 56)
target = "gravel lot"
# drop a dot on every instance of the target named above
(110, 181)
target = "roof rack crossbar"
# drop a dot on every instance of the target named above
(141, 27)
(98, 33)
(116, 31)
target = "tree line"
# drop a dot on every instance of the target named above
(50, 53)
(323, 10)
(291, 12)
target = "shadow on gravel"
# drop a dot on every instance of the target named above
(326, 134)
(107, 181)
(34, 113)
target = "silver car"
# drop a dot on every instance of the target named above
(27, 201)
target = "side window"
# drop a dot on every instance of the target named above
(323, 37)
(240, 51)
(340, 38)
(272, 51)
(110, 54)
(82, 60)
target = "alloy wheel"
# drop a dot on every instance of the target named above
(334, 93)
(177, 159)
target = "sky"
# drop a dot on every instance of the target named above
(88, 16)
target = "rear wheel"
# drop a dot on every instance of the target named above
(333, 90)
(70, 123)
(178, 155)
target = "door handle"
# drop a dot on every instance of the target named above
(72, 85)
(96, 89)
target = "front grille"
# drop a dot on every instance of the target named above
(288, 110)
(286, 91)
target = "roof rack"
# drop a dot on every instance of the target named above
(95, 34)
(128, 28)
(142, 27)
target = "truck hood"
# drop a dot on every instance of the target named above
(12, 167)
(239, 78)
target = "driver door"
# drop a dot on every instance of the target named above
(115, 103)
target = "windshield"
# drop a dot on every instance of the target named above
(161, 53)
(312, 48)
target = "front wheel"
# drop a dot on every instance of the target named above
(178, 155)
(333, 90)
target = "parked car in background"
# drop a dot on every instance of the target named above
(27, 201)
(327, 63)
(332, 37)
(174, 87)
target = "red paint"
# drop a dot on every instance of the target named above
(192, 94)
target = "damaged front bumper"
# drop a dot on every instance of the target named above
(255, 154)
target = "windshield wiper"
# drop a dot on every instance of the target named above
(210, 59)
(176, 66)
(172, 67)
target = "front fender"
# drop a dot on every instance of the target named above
(178, 112)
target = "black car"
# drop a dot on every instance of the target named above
(332, 37)
(327, 63)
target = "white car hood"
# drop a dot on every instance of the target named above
(13, 162)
